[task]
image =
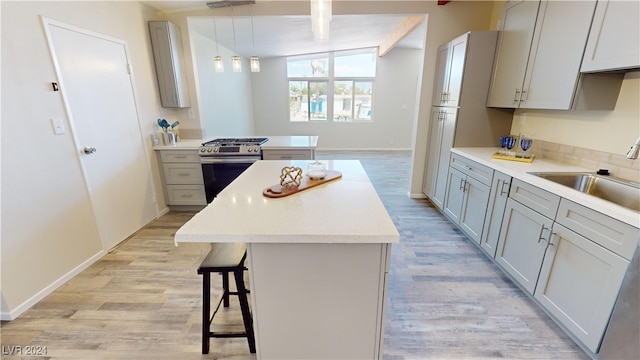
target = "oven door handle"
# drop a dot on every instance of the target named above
(238, 160)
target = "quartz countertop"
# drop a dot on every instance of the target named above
(521, 170)
(346, 210)
(275, 142)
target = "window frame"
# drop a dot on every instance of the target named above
(330, 81)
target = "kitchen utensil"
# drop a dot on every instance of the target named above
(175, 124)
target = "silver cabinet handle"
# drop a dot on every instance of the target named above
(89, 150)
(540, 236)
(516, 96)
(551, 235)
(462, 182)
(502, 189)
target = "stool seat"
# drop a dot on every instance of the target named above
(225, 258)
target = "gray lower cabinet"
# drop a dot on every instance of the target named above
(495, 211)
(570, 258)
(467, 196)
(522, 243)
(182, 177)
(579, 283)
(288, 154)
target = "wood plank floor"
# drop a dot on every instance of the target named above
(446, 299)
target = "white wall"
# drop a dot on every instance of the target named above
(224, 99)
(48, 230)
(394, 104)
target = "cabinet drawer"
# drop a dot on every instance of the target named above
(302, 154)
(180, 156)
(186, 195)
(179, 173)
(482, 173)
(535, 198)
(605, 231)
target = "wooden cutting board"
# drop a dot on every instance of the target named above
(278, 191)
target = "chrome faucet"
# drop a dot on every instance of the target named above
(633, 152)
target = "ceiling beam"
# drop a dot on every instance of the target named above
(403, 29)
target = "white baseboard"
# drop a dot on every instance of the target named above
(362, 149)
(11, 315)
(163, 211)
(416, 196)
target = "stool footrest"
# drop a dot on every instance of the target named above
(227, 335)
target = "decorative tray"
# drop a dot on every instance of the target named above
(527, 159)
(278, 191)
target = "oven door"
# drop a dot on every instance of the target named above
(218, 172)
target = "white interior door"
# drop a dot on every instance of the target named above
(98, 93)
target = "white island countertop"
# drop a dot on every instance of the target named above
(521, 170)
(346, 210)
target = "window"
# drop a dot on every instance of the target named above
(337, 86)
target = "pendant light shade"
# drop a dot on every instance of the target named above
(236, 63)
(320, 19)
(255, 64)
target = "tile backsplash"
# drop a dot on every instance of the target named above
(617, 164)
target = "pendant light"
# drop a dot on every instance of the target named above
(254, 61)
(236, 62)
(217, 61)
(320, 19)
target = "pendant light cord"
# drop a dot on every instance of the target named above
(233, 26)
(253, 41)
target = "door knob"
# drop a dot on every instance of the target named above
(89, 150)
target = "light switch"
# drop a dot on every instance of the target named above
(58, 126)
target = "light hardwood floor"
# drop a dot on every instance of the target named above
(446, 299)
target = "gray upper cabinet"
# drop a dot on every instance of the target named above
(614, 41)
(167, 54)
(538, 58)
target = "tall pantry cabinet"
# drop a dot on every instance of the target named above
(459, 116)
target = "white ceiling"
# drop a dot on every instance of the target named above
(291, 35)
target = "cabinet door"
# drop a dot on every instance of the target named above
(458, 51)
(556, 54)
(495, 211)
(474, 208)
(522, 243)
(512, 53)
(446, 142)
(442, 75)
(433, 155)
(614, 41)
(456, 185)
(579, 284)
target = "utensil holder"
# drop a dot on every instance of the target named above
(169, 138)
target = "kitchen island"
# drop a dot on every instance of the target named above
(318, 260)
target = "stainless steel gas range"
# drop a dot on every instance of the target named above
(223, 159)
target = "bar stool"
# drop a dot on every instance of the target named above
(225, 258)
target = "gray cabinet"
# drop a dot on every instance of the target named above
(167, 55)
(467, 195)
(288, 154)
(614, 40)
(538, 57)
(495, 211)
(459, 116)
(583, 269)
(182, 177)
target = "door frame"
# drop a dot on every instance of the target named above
(47, 23)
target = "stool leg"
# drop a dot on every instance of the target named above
(206, 311)
(225, 288)
(244, 307)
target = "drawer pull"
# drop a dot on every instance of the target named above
(183, 174)
(187, 195)
(180, 156)
(502, 189)
(468, 167)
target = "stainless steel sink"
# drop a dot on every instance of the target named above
(622, 192)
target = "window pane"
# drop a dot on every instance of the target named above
(363, 96)
(318, 96)
(342, 100)
(298, 101)
(317, 66)
(355, 65)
